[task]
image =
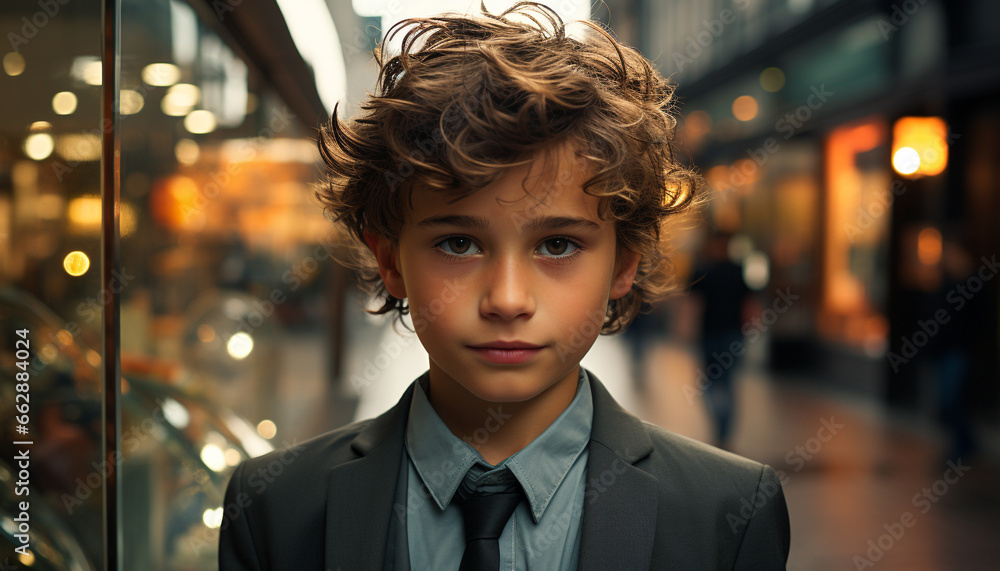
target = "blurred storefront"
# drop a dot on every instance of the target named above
(851, 144)
(223, 261)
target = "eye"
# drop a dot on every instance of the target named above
(557, 248)
(560, 247)
(456, 245)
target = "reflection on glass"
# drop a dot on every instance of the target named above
(222, 257)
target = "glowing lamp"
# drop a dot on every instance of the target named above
(919, 146)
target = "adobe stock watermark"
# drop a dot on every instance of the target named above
(280, 118)
(923, 501)
(787, 125)
(957, 297)
(89, 310)
(582, 335)
(797, 458)
(33, 24)
(262, 309)
(597, 484)
(752, 331)
(427, 146)
(712, 29)
(882, 204)
(83, 143)
(374, 367)
(260, 480)
(358, 41)
(131, 439)
(898, 17)
(765, 492)
(554, 530)
(422, 317)
(558, 185)
(495, 419)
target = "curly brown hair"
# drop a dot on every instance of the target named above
(483, 94)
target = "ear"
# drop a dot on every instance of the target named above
(626, 264)
(388, 263)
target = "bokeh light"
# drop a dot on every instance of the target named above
(64, 103)
(161, 74)
(200, 122)
(267, 429)
(239, 346)
(772, 79)
(38, 146)
(745, 108)
(906, 160)
(13, 64)
(76, 263)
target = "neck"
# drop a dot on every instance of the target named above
(498, 429)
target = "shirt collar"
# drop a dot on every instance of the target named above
(442, 460)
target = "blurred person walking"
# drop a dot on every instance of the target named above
(647, 329)
(955, 341)
(718, 282)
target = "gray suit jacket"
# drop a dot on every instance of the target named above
(653, 500)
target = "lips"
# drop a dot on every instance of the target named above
(507, 345)
(507, 352)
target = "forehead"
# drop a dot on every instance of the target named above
(551, 184)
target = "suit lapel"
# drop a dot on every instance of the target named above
(355, 519)
(620, 505)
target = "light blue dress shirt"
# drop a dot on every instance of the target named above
(544, 532)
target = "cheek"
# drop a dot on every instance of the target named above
(433, 299)
(589, 286)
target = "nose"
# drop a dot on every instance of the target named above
(508, 292)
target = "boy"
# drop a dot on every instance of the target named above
(506, 189)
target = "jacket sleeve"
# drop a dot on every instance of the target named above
(237, 551)
(767, 538)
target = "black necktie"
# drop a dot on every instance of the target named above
(485, 516)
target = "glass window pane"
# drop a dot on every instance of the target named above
(219, 242)
(50, 285)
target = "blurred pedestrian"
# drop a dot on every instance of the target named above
(955, 340)
(719, 282)
(648, 328)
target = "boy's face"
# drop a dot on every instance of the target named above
(472, 286)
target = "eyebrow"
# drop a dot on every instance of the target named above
(535, 224)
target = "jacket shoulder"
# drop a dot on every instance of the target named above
(684, 450)
(737, 504)
(695, 469)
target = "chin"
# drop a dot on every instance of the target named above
(505, 391)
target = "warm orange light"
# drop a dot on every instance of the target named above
(698, 123)
(76, 263)
(718, 177)
(928, 139)
(906, 160)
(65, 337)
(176, 202)
(206, 333)
(744, 172)
(929, 246)
(745, 108)
(84, 213)
(842, 291)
